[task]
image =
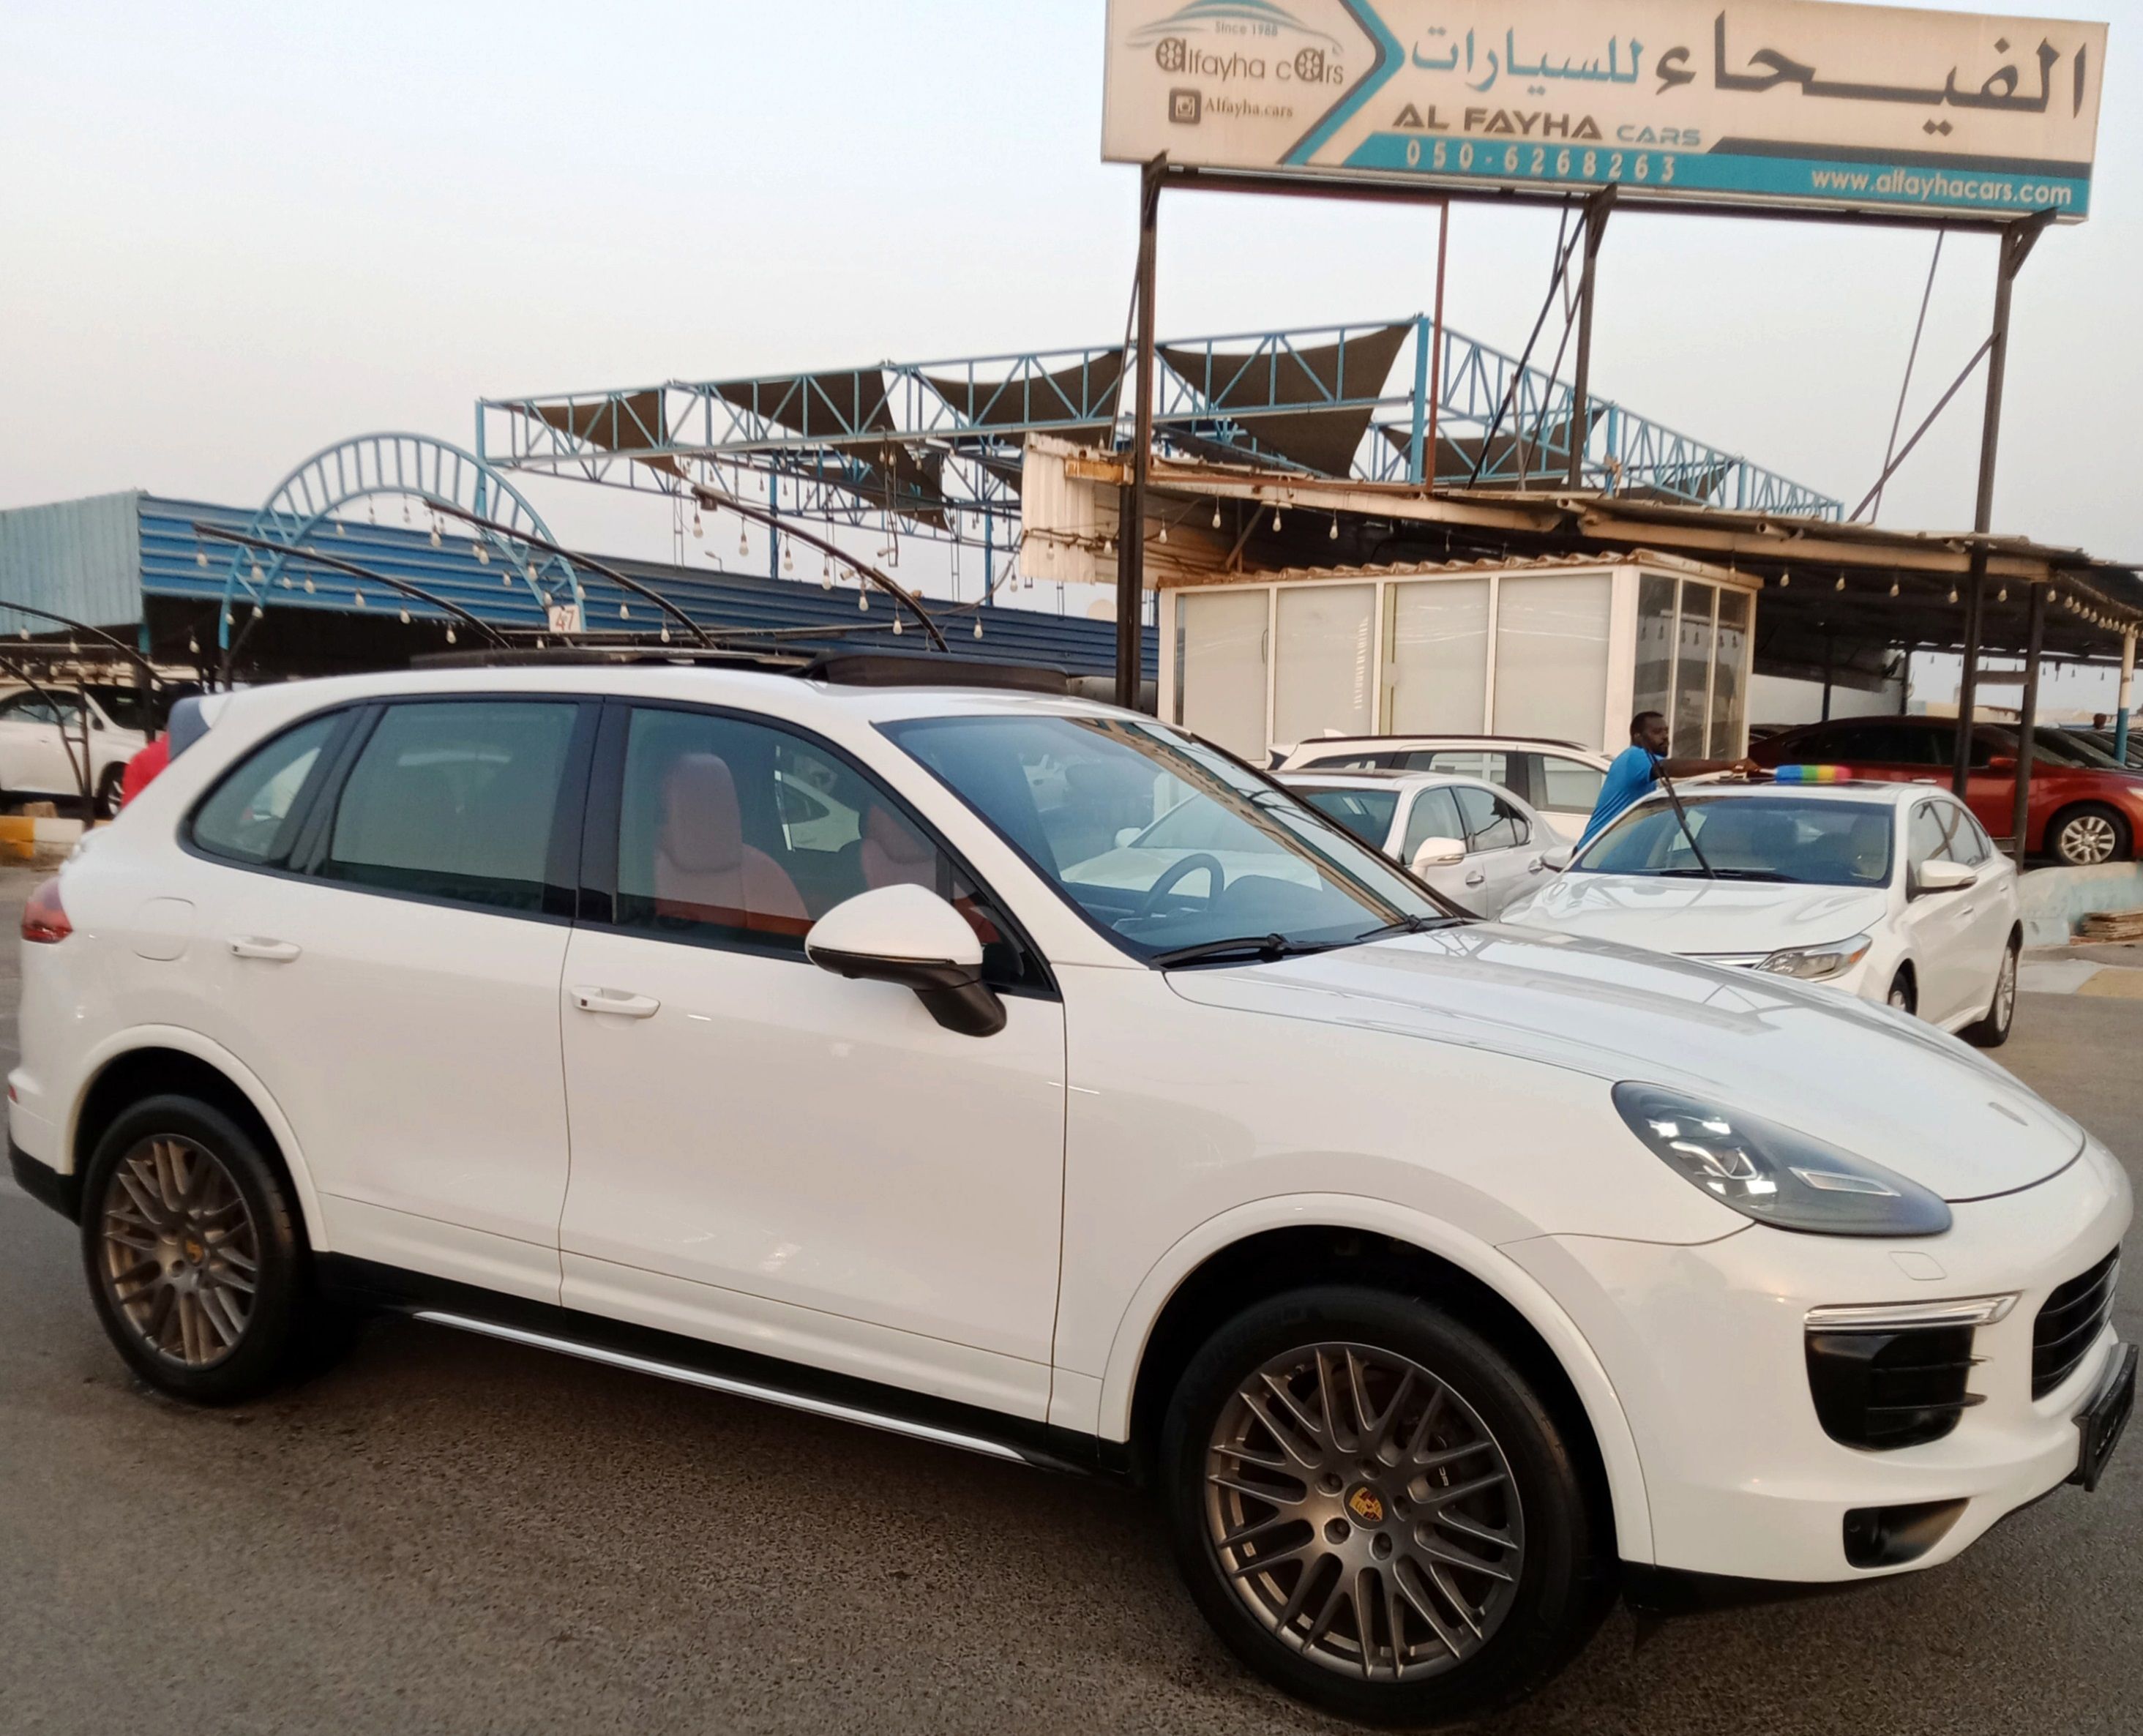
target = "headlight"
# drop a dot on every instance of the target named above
(1812, 964)
(1774, 1174)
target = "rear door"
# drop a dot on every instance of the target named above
(1502, 857)
(1990, 902)
(391, 971)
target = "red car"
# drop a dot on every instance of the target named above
(2081, 812)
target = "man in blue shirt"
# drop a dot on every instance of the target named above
(1642, 764)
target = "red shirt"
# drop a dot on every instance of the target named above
(143, 769)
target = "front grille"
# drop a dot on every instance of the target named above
(2069, 1324)
(1886, 1389)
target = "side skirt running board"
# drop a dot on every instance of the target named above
(715, 1367)
(725, 1383)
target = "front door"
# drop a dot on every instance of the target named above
(1502, 856)
(1939, 923)
(771, 1156)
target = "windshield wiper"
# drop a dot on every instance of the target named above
(1266, 947)
(1713, 873)
(1412, 925)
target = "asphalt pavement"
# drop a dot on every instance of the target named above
(448, 1534)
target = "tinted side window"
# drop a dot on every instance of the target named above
(1465, 763)
(1490, 824)
(734, 833)
(1929, 837)
(1568, 786)
(245, 818)
(1435, 815)
(454, 799)
(1969, 842)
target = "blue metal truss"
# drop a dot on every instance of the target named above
(845, 445)
(308, 506)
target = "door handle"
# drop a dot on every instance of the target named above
(617, 1002)
(1477, 877)
(1966, 912)
(272, 952)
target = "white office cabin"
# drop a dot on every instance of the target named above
(1569, 649)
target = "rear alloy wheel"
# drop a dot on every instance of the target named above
(1376, 1511)
(1992, 1031)
(106, 804)
(195, 1260)
(2086, 836)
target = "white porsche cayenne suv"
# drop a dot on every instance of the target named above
(1442, 1277)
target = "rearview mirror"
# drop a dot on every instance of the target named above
(909, 935)
(1435, 853)
(1943, 877)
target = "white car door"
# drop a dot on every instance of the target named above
(1937, 923)
(392, 976)
(1990, 902)
(1503, 858)
(774, 1157)
(34, 755)
(1435, 814)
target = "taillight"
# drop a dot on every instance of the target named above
(44, 917)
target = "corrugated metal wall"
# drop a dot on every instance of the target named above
(81, 558)
(170, 567)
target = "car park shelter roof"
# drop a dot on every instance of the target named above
(133, 561)
(1835, 594)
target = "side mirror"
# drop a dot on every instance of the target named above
(94, 721)
(1557, 859)
(1435, 853)
(909, 935)
(1943, 877)
(2003, 763)
(1125, 835)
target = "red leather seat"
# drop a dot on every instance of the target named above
(704, 870)
(894, 854)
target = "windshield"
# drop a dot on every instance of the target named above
(1161, 841)
(1799, 841)
(1365, 813)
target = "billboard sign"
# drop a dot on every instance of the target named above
(1756, 103)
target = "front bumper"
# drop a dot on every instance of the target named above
(1706, 1347)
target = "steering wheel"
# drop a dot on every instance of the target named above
(1176, 870)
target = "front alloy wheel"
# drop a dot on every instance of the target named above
(1364, 1513)
(2087, 838)
(1377, 1511)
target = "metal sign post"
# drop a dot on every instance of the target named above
(1131, 533)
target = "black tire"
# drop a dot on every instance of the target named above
(1564, 1581)
(2076, 836)
(106, 804)
(171, 1134)
(1904, 993)
(1992, 1031)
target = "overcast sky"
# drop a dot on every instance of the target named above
(230, 234)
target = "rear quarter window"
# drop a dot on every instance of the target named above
(247, 816)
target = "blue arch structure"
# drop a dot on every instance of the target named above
(416, 466)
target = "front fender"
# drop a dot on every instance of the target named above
(1478, 1259)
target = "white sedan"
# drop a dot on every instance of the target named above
(1890, 892)
(1478, 845)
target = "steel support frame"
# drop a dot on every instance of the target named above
(1597, 209)
(2016, 245)
(2028, 722)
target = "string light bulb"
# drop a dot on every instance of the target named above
(1785, 579)
(1841, 582)
(698, 529)
(1953, 593)
(1163, 537)
(436, 538)
(978, 626)
(1893, 587)
(404, 615)
(200, 556)
(1333, 535)
(450, 636)
(1275, 518)
(863, 598)
(1216, 515)
(896, 623)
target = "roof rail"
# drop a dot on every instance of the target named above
(839, 669)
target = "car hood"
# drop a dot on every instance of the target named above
(1868, 1080)
(1711, 917)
